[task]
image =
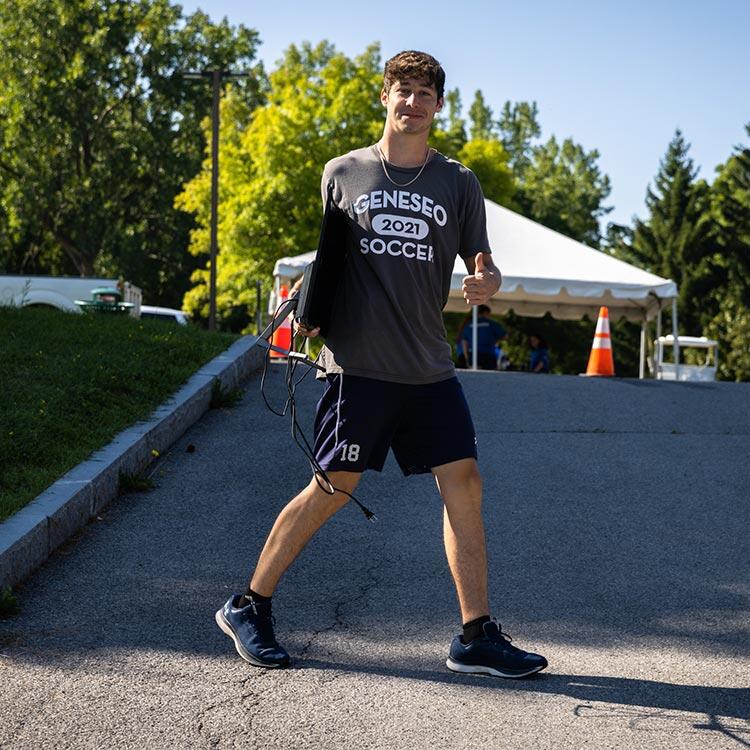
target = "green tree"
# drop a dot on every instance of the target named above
(483, 153)
(731, 328)
(676, 239)
(480, 115)
(730, 196)
(519, 128)
(730, 298)
(98, 132)
(320, 104)
(563, 188)
(449, 131)
(559, 185)
(489, 162)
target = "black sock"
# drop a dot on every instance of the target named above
(251, 595)
(474, 629)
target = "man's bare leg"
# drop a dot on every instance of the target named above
(488, 651)
(296, 525)
(460, 486)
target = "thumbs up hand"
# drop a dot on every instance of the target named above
(484, 282)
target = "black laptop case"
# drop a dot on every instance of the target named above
(320, 285)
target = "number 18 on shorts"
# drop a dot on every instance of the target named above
(359, 419)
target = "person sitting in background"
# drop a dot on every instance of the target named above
(539, 360)
(489, 334)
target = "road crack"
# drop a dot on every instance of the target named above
(338, 611)
(248, 700)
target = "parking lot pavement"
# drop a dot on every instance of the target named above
(616, 514)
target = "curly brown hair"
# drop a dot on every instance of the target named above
(414, 64)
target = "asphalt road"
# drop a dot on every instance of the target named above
(617, 518)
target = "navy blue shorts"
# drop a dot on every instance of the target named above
(359, 419)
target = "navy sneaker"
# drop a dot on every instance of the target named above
(493, 653)
(251, 629)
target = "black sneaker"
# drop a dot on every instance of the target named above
(251, 629)
(494, 654)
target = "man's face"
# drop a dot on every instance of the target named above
(411, 105)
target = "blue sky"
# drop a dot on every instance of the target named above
(616, 77)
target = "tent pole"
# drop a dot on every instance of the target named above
(642, 363)
(676, 340)
(657, 371)
(474, 337)
(658, 324)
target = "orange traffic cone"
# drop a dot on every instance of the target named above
(282, 336)
(600, 361)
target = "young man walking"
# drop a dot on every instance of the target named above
(390, 379)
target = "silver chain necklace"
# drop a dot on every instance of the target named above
(413, 179)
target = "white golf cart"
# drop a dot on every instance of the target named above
(676, 370)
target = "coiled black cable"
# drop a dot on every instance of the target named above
(298, 435)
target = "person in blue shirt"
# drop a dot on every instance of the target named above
(539, 359)
(489, 334)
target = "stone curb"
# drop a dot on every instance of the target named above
(30, 536)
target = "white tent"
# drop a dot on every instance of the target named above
(547, 272)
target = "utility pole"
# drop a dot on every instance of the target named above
(216, 76)
(258, 310)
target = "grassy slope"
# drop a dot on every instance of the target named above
(69, 383)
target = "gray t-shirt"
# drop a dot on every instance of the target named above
(387, 320)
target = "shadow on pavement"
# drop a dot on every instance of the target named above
(591, 689)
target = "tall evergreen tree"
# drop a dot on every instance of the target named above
(676, 240)
(731, 210)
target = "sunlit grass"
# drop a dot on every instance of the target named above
(69, 383)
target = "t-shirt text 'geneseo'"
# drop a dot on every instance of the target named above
(408, 229)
